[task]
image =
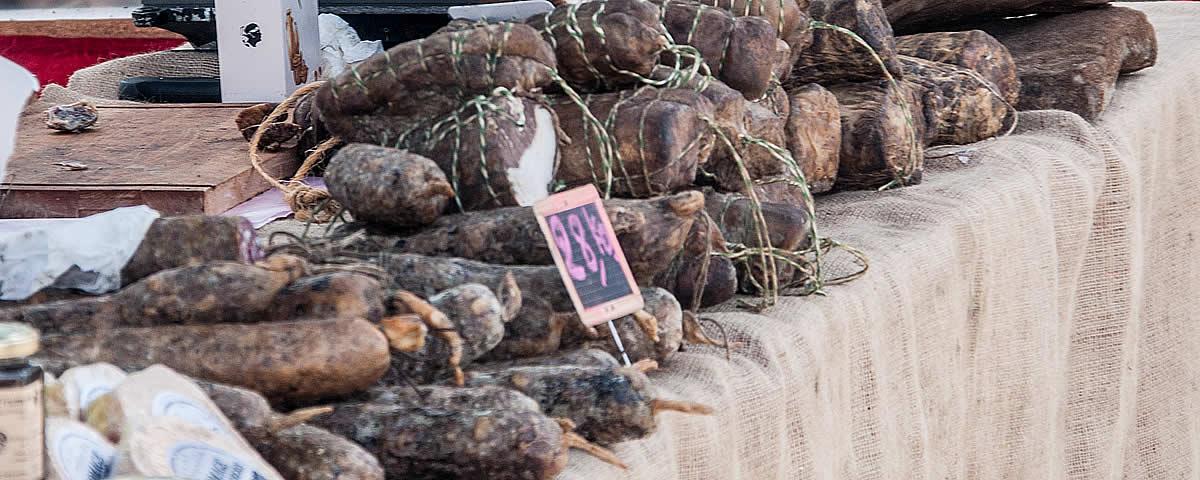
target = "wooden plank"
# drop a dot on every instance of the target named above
(60, 12)
(179, 159)
(233, 190)
(98, 28)
(183, 145)
(58, 202)
(39, 204)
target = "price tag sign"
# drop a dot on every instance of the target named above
(590, 260)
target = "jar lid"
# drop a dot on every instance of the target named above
(17, 340)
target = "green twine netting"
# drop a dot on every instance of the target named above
(643, 98)
(457, 41)
(807, 261)
(477, 110)
(700, 9)
(570, 24)
(683, 49)
(738, 252)
(687, 64)
(748, 10)
(681, 74)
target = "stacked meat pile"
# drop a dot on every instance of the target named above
(435, 326)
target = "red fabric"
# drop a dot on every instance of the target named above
(53, 60)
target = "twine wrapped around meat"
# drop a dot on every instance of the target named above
(701, 275)
(498, 150)
(733, 48)
(759, 123)
(387, 95)
(972, 49)
(851, 42)
(787, 226)
(602, 45)
(662, 136)
(789, 17)
(883, 132)
(967, 107)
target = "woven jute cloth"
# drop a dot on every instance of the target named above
(103, 81)
(1031, 314)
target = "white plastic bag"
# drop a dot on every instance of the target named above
(16, 86)
(341, 46)
(81, 253)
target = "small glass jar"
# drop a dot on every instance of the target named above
(22, 416)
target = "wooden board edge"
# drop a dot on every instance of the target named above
(248, 184)
(149, 106)
(100, 187)
(70, 203)
(89, 28)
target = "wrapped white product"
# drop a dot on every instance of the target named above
(76, 452)
(80, 253)
(19, 85)
(341, 46)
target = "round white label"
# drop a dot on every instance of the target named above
(171, 404)
(197, 461)
(79, 457)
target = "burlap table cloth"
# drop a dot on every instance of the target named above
(1031, 314)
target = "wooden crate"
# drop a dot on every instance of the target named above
(178, 159)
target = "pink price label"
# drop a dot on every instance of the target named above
(589, 258)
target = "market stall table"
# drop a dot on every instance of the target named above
(55, 174)
(1029, 313)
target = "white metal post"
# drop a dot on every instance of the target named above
(268, 48)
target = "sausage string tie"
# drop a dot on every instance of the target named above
(303, 199)
(902, 175)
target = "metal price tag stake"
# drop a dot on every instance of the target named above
(589, 259)
(612, 327)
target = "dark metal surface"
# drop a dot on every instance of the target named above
(338, 6)
(324, 3)
(391, 22)
(197, 24)
(170, 90)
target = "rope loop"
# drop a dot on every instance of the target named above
(308, 203)
(311, 204)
